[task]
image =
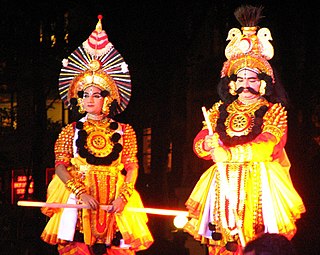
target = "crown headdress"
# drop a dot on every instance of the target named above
(96, 63)
(250, 48)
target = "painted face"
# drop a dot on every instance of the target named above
(249, 81)
(92, 100)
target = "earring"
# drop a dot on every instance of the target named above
(81, 107)
(232, 88)
(262, 89)
(106, 106)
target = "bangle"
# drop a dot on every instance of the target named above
(123, 198)
(75, 187)
(126, 191)
(275, 131)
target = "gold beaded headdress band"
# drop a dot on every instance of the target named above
(250, 49)
(96, 63)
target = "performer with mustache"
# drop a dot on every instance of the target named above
(248, 191)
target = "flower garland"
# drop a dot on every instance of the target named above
(235, 140)
(92, 159)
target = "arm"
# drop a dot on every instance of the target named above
(200, 146)
(63, 154)
(264, 147)
(130, 162)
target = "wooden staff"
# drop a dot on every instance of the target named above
(206, 118)
(158, 211)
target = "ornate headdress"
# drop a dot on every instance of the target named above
(249, 49)
(96, 63)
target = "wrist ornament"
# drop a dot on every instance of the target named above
(75, 187)
(199, 148)
(126, 191)
(275, 131)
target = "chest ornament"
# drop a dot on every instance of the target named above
(238, 123)
(98, 143)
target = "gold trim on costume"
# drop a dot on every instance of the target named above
(275, 121)
(63, 146)
(98, 140)
(213, 114)
(199, 149)
(130, 148)
(240, 120)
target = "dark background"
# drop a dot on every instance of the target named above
(175, 51)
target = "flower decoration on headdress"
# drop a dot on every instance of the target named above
(251, 48)
(96, 63)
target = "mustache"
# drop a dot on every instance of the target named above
(251, 90)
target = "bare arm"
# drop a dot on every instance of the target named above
(64, 175)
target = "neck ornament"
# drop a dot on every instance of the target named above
(239, 123)
(98, 144)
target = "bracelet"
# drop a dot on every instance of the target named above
(275, 131)
(75, 187)
(126, 191)
(123, 198)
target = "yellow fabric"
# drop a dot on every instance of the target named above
(196, 201)
(286, 202)
(56, 193)
(199, 194)
(262, 151)
(133, 226)
(103, 182)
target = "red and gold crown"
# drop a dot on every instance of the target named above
(251, 48)
(96, 63)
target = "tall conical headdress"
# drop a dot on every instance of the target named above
(250, 48)
(96, 62)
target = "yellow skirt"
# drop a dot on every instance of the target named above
(133, 226)
(280, 200)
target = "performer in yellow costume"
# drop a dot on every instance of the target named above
(248, 190)
(96, 162)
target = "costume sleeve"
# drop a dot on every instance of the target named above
(63, 148)
(269, 143)
(130, 149)
(130, 161)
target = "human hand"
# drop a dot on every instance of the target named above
(118, 205)
(220, 154)
(211, 141)
(89, 200)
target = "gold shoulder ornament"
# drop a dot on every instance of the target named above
(275, 121)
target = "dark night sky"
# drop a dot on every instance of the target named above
(154, 36)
